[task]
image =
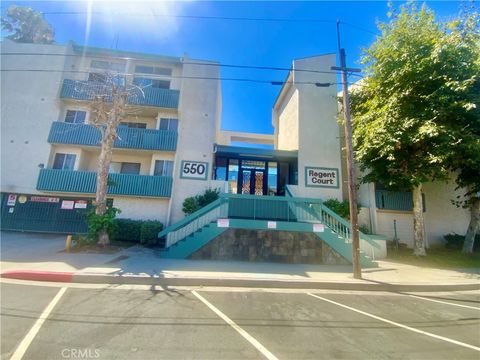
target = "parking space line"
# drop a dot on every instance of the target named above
(444, 302)
(398, 324)
(27, 340)
(242, 332)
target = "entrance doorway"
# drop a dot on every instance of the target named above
(252, 182)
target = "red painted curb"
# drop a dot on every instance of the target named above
(54, 276)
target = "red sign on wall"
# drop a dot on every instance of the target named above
(44, 199)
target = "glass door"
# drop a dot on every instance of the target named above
(252, 182)
(245, 182)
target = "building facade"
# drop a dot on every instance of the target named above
(172, 146)
(45, 127)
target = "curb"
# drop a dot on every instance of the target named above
(35, 275)
(361, 285)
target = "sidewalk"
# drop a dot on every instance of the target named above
(139, 265)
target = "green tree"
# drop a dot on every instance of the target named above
(407, 110)
(27, 26)
(465, 154)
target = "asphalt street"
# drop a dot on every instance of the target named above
(73, 322)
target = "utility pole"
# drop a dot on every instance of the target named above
(352, 190)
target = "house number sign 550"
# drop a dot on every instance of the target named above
(197, 170)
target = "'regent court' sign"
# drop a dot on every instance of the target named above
(321, 177)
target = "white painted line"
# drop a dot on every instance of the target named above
(398, 324)
(242, 332)
(27, 340)
(444, 302)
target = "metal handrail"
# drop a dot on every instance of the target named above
(296, 210)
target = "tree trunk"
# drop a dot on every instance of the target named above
(473, 227)
(418, 223)
(102, 178)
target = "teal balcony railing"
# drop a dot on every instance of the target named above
(128, 138)
(148, 96)
(119, 184)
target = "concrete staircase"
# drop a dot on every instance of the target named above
(254, 212)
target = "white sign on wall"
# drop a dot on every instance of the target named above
(12, 199)
(318, 228)
(67, 205)
(223, 223)
(272, 224)
(321, 177)
(196, 170)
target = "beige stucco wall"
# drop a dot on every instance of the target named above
(441, 216)
(197, 128)
(288, 127)
(142, 208)
(305, 117)
(29, 104)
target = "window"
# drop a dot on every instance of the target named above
(232, 175)
(75, 116)
(130, 168)
(105, 65)
(115, 167)
(97, 77)
(169, 124)
(135, 125)
(153, 83)
(64, 161)
(153, 70)
(272, 178)
(106, 78)
(221, 169)
(163, 168)
(394, 200)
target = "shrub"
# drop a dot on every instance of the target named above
(194, 203)
(455, 242)
(149, 232)
(364, 229)
(209, 196)
(97, 223)
(190, 205)
(128, 230)
(342, 208)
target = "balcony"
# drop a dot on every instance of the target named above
(119, 184)
(86, 90)
(128, 138)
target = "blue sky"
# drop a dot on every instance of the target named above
(246, 106)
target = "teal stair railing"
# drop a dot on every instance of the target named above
(194, 222)
(270, 208)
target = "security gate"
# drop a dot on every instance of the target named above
(39, 213)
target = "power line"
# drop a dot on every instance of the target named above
(257, 67)
(358, 27)
(201, 17)
(150, 76)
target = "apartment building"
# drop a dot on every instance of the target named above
(172, 147)
(46, 98)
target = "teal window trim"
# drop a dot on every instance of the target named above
(182, 165)
(337, 186)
